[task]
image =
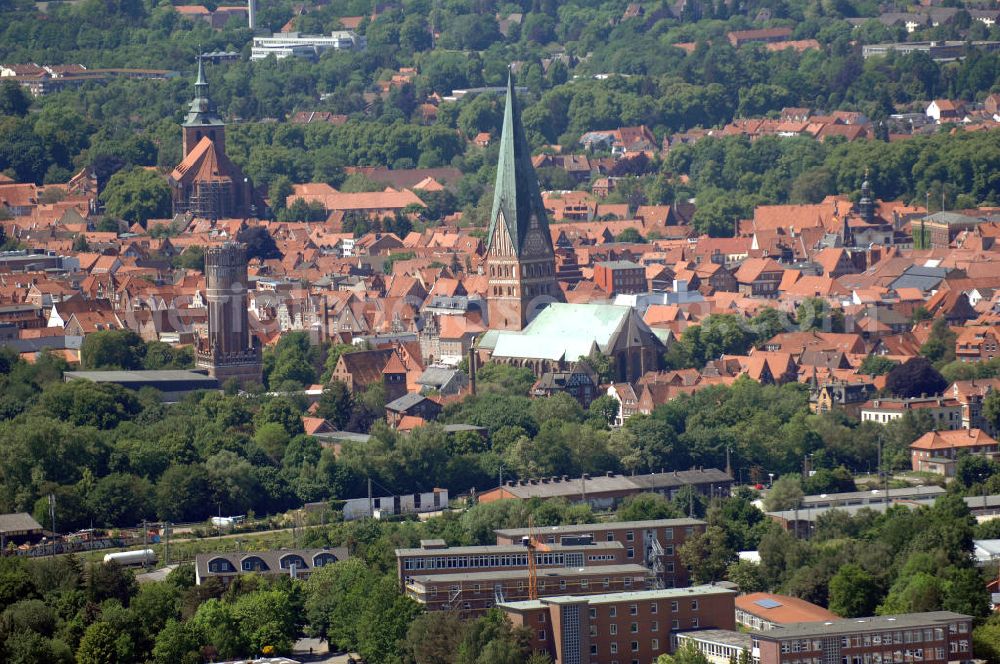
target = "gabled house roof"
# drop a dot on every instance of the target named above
(946, 440)
(752, 268)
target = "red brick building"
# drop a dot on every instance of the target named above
(473, 593)
(761, 36)
(977, 343)
(654, 543)
(616, 277)
(434, 557)
(759, 277)
(764, 611)
(937, 636)
(620, 627)
(937, 451)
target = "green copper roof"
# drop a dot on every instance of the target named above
(516, 192)
(571, 331)
(561, 330)
(201, 112)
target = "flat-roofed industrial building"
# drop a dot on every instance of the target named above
(620, 627)
(653, 543)
(435, 557)
(473, 593)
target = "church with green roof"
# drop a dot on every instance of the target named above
(530, 323)
(563, 333)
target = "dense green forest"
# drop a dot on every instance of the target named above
(113, 457)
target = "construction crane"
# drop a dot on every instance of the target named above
(533, 545)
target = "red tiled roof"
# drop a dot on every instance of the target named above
(789, 610)
(191, 10)
(204, 164)
(945, 440)
(18, 195)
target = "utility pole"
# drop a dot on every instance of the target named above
(52, 512)
(878, 462)
(886, 481)
(883, 478)
(166, 543)
(371, 503)
(145, 544)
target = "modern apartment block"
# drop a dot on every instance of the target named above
(619, 628)
(937, 636)
(654, 544)
(292, 44)
(435, 557)
(473, 593)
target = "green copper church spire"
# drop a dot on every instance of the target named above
(516, 193)
(201, 112)
(201, 83)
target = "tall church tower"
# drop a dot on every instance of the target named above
(229, 352)
(520, 262)
(206, 183)
(201, 119)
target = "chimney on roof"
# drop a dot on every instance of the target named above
(586, 476)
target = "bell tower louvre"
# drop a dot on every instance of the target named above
(520, 261)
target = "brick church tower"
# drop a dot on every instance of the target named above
(520, 262)
(201, 120)
(206, 183)
(229, 351)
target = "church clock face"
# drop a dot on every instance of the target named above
(535, 244)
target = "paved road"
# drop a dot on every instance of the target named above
(251, 533)
(316, 651)
(155, 575)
